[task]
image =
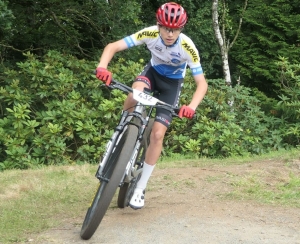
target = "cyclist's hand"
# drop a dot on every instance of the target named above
(186, 111)
(104, 75)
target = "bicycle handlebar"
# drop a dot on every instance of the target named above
(114, 84)
(160, 104)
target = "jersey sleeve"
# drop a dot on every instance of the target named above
(142, 37)
(193, 58)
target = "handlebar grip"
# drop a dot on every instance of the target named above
(176, 112)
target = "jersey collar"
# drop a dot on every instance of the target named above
(173, 45)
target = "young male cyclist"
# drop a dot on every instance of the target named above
(171, 52)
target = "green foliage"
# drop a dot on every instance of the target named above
(51, 112)
(54, 111)
(270, 29)
(221, 130)
(79, 28)
(6, 18)
(199, 29)
(83, 28)
(289, 104)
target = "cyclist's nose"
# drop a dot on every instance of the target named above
(170, 33)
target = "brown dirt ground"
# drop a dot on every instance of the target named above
(191, 205)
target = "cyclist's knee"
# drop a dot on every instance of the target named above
(158, 134)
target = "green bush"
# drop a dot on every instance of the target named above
(54, 111)
(289, 104)
(221, 130)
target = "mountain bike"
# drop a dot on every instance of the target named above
(122, 162)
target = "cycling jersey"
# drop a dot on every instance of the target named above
(170, 61)
(168, 89)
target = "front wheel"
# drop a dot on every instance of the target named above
(113, 172)
(127, 189)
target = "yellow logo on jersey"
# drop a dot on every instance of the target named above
(144, 34)
(191, 51)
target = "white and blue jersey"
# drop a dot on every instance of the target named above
(169, 61)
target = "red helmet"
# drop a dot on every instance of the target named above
(171, 15)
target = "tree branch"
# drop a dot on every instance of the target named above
(19, 50)
(67, 33)
(240, 24)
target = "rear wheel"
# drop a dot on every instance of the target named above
(112, 176)
(126, 190)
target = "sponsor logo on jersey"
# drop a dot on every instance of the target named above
(159, 48)
(175, 61)
(175, 54)
(191, 51)
(164, 61)
(144, 34)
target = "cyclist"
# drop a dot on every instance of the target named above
(171, 52)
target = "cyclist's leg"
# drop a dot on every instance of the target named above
(143, 80)
(156, 143)
(152, 154)
(169, 92)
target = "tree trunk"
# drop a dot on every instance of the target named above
(221, 38)
(224, 44)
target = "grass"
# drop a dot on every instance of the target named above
(254, 187)
(32, 201)
(178, 160)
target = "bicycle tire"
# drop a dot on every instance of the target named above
(106, 190)
(124, 192)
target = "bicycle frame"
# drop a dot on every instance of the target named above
(126, 119)
(144, 100)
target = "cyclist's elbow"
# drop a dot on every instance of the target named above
(117, 46)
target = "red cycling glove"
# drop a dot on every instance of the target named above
(186, 111)
(104, 75)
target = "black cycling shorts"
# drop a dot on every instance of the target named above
(168, 91)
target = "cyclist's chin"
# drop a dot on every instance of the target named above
(169, 42)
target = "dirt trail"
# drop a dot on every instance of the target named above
(188, 206)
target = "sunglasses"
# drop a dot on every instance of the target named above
(169, 30)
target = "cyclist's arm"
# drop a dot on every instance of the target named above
(200, 91)
(110, 50)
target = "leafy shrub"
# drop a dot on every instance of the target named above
(54, 111)
(289, 104)
(221, 130)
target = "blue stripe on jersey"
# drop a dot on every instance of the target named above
(129, 41)
(175, 72)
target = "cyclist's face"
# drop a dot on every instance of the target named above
(169, 35)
